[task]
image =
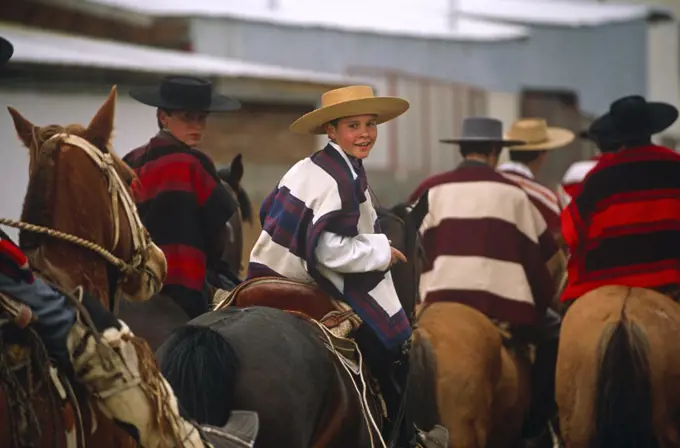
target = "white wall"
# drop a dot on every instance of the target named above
(505, 107)
(135, 123)
(663, 65)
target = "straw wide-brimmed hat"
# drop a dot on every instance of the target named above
(538, 135)
(6, 51)
(347, 102)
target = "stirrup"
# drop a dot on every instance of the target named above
(437, 437)
(240, 431)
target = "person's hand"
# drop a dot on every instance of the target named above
(396, 256)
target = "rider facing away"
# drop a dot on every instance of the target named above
(320, 227)
(488, 246)
(527, 160)
(180, 198)
(622, 229)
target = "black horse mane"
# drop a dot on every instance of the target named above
(244, 203)
(412, 218)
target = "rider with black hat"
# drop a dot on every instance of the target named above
(180, 198)
(623, 226)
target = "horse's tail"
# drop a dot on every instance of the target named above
(422, 391)
(623, 402)
(202, 367)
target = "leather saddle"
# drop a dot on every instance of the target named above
(292, 296)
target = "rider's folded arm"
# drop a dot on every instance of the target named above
(353, 255)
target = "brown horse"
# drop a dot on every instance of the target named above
(482, 383)
(276, 363)
(618, 369)
(467, 374)
(156, 318)
(78, 188)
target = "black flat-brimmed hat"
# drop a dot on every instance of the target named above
(482, 130)
(632, 117)
(6, 51)
(185, 93)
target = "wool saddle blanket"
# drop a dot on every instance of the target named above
(321, 194)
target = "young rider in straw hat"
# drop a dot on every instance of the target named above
(180, 198)
(322, 204)
(622, 228)
(481, 230)
(73, 344)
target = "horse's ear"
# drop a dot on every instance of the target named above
(23, 127)
(236, 168)
(419, 210)
(99, 130)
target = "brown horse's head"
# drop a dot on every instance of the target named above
(79, 187)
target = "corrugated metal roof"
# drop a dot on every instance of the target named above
(42, 47)
(387, 17)
(559, 13)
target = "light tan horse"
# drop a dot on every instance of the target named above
(483, 388)
(618, 370)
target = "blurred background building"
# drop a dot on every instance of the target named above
(564, 60)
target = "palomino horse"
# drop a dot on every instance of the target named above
(156, 318)
(79, 227)
(467, 374)
(618, 368)
(276, 363)
(482, 385)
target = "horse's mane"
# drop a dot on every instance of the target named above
(245, 205)
(401, 211)
(242, 197)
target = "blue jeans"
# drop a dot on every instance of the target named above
(55, 316)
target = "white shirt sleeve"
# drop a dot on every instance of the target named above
(362, 253)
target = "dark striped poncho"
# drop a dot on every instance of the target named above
(184, 206)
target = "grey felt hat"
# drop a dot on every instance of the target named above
(481, 130)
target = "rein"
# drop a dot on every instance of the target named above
(119, 193)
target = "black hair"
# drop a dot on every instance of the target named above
(158, 120)
(525, 157)
(636, 142)
(482, 148)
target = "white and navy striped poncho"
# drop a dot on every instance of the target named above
(322, 194)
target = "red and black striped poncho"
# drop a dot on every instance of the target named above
(184, 206)
(624, 226)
